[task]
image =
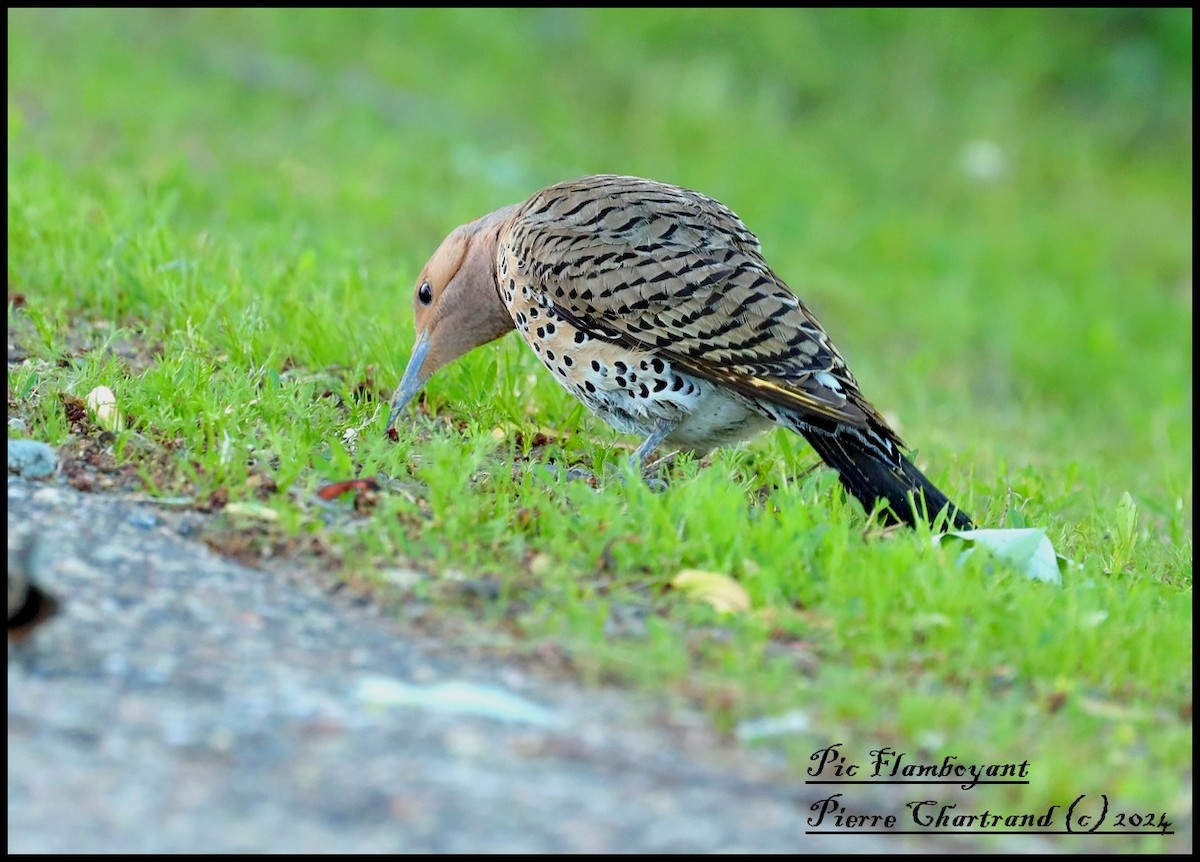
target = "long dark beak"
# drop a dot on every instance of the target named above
(412, 381)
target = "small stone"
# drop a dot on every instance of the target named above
(144, 520)
(102, 405)
(30, 459)
(405, 579)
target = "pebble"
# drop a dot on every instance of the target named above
(144, 520)
(30, 458)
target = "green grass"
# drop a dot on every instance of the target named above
(247, 198)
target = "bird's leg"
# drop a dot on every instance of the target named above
(660, 433)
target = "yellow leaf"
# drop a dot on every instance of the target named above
(721, 591)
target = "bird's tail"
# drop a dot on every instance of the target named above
(872, 468)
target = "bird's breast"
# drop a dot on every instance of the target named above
(718, 418)
(633, 389)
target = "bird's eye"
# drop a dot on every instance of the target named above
(425, 293)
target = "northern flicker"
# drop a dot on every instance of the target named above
(653, 305)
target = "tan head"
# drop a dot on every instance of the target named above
(455, 303)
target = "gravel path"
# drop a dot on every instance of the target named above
(181, 702)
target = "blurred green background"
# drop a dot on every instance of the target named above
(989, 211)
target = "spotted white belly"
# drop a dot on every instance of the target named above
(716, 420)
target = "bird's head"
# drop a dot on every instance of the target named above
(455, 303)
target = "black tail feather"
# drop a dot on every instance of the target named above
(871, 472)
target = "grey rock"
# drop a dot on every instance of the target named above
(182, 702)
(31, 459)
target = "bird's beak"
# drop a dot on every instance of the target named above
(413, 379)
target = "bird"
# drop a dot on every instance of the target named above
(654, 306)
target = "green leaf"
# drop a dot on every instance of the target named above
(1028, 549)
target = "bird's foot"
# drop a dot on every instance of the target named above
(655, 475)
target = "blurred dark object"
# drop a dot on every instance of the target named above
(28, 605)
